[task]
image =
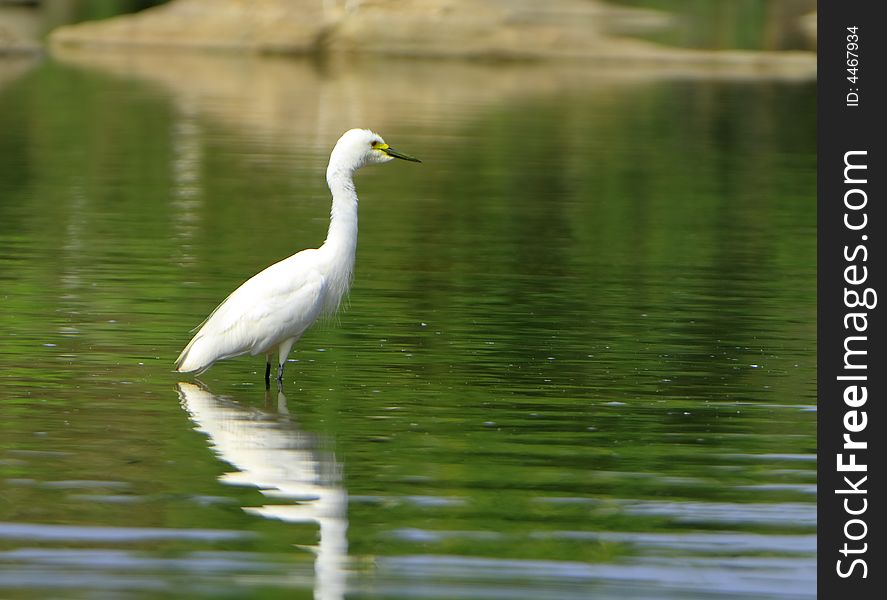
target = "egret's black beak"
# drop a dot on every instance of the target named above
(394, 153)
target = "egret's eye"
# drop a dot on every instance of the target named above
(375, 143)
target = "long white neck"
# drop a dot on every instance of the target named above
(341, 239)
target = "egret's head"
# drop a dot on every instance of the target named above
(359, 147)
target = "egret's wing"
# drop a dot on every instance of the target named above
(275, 304)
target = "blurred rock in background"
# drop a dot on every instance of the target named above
(492, 29)
(19, 28)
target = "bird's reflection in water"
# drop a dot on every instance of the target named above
(271, 453)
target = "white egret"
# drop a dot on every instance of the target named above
(273, 308)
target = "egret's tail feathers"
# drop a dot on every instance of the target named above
(195, 358)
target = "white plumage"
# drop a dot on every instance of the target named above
(273, 308)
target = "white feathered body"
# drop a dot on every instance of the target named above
(273, 308)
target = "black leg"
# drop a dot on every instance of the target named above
(267, 375)
(280, 374)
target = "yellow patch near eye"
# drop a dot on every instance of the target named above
(380, 146)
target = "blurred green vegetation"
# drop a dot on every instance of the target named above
(732, 24)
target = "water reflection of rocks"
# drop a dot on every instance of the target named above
(307, 103)
(284, 463)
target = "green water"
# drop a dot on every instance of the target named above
(578, 358)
